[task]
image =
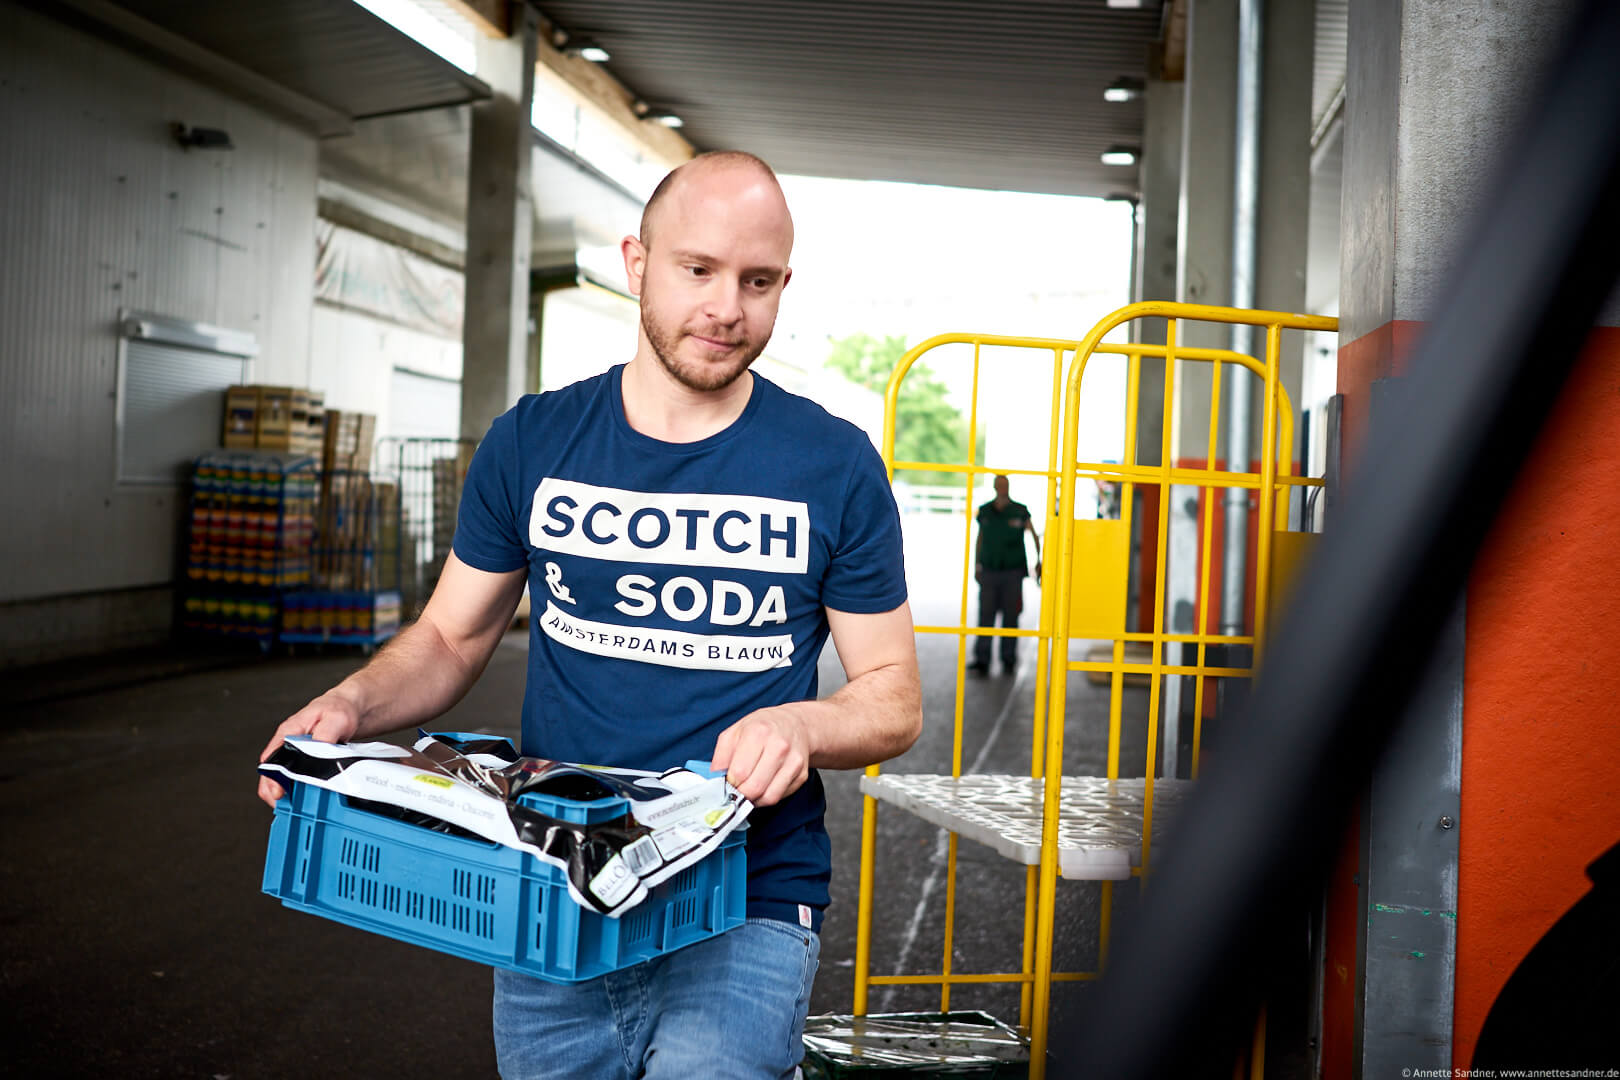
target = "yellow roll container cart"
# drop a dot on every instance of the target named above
(1100, 828)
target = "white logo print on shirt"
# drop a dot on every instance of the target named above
(554, 583)
(695, 530)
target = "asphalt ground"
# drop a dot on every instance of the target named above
(134, 940)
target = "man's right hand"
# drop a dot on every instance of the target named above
(329, 718)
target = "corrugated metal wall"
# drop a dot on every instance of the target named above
(100, 210)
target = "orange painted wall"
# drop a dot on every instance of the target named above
(1541, 692)
(1541, 695)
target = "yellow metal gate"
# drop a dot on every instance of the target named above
(1085, 598)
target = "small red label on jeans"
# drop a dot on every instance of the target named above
(804, 916)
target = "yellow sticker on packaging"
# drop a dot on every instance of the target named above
(436, 781)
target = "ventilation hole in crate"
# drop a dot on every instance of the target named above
(685, 911)
(345, 883)
(686, 880)
(638, 927)
(539, 919)
(486, 925)
(373, 858)
(390, 900)
(368, 892)
(486, 889)
(413, 905)
(458, 882)
(349, 852)
(459, 920)
(437, 909)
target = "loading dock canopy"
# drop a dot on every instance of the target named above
(955, 92)
(330, 61)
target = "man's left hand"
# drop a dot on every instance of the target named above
(766, 754)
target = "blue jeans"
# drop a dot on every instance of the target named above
(729, 1008)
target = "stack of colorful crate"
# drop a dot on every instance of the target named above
(344, 551)
(387, 565)
(252, 525)
(347, 442)
(448, 475)
(345, 547)
(357, 617)
(252, 520)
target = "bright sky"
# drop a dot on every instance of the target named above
(910, 259)
(915, 261)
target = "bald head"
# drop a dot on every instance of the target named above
(730, 174)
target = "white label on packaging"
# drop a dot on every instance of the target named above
(438, 796)
(316, 749)
(675, 842)
(641, 855)
(691, 803)
(613, 882)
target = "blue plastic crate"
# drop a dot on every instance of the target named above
(482, 900)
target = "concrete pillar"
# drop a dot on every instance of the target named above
(1204, 241)
(1204, 264)
(500, 224)
(1434, 90)
(1157, 224)
(1204, 257)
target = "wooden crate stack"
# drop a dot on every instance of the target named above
(286, 419)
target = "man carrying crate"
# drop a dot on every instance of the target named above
(690, 534)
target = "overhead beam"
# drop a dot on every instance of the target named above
(1173, 54)
(124, 26)
(351, 217)
(599, 87)
(493, 18)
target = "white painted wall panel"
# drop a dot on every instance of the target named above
(100, 210)
(354, 356)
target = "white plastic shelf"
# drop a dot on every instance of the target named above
(1099, 827)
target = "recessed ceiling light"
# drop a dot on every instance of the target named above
(595, 54)
(1120, 155)
(1123, 89)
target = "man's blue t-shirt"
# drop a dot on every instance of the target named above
(677, 587)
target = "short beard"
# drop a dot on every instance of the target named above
(701, 379)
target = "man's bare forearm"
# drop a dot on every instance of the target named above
(873, 718)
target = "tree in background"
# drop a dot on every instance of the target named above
(927, 426)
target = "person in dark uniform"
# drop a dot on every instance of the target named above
(999, 567)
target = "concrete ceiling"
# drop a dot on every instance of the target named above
(419, 161)
(1004, 95)
(330, 61)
